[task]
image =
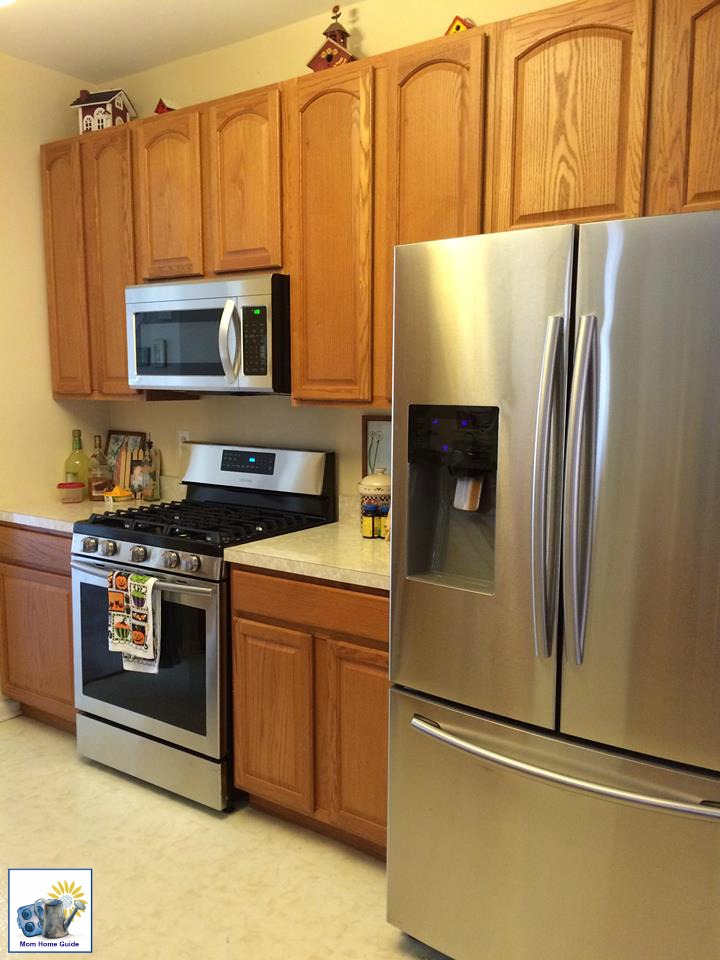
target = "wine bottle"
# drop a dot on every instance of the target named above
(77, 465)
(100, 475)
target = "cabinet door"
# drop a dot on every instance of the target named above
(330, 203)
(168, 204)
(109, 253)
(272, 716)
(429, 110)
(65, 267)
(242, 181)
(684, 157)
(36, 639)
(353, 690)
(571, 108)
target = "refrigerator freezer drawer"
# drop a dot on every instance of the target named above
(487, 862)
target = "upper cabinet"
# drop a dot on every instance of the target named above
(242, 182)
(109, 253)
(168, 199)
(65, 268)
(570, 114)
(330, 219)
(684, 151)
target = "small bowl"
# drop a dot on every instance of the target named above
(111, 501)
(73, 492)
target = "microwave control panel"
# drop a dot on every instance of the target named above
(248, 461)
(254, 341)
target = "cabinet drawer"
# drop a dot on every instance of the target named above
(41, 551)
(322, 608)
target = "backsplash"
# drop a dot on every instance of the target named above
(261, 420)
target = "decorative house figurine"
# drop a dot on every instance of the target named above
(333, 52)
(107, 108)
(165, 106)
(458, 24)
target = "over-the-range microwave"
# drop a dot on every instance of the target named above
(221, 336)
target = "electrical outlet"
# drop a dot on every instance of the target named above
(183, 436)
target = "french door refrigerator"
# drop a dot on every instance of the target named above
(555, 599)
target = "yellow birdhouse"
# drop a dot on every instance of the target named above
(458, 24)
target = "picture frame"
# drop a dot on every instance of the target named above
(116, 442)
(376, 442)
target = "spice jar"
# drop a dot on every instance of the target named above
(374, 490)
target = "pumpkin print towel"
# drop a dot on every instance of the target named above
(134, 620)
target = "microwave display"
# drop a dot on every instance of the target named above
(178, 342)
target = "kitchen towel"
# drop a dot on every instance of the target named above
(134, 620)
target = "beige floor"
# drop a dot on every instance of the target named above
(172, 879)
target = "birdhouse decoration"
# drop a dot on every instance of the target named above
(334, 51)
(107, 108)
(458, 24)
(165, 106)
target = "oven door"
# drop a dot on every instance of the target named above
(184, 702)
(184, 344)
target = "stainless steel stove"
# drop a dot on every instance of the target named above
(171, 728)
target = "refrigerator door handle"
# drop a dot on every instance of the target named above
(682, 808)
(547, 396)
(581, 434)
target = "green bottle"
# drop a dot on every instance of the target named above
(77, 465)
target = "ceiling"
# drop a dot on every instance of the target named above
(98, 40)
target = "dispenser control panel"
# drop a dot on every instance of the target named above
(465, 439)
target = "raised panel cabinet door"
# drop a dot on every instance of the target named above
(684, 153)
(36, 639)
(169, 196)
(330, 202)
(65, 268)
(571, 103)
(357, 703)
(272, 715)
(109, 252)
(242, 181)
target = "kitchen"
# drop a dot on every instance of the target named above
(564, 115)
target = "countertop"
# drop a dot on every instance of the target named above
(334, 551)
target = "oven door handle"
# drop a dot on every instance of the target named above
(161, 584)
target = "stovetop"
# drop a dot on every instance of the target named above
(218, 524)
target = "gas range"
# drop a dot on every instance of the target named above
(235, 495)
(171, 727)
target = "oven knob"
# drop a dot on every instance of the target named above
(191, 563)
(90, 545)
(138, 554)
(108, 548)
(170, 558)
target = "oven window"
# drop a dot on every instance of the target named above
(176, 694)
(178, 342)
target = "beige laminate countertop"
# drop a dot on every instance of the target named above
(334, 551)
(48, 513)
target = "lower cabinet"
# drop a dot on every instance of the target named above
(310, 702)
(36, 654)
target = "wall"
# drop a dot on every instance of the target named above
(270, 58)
(35, 430)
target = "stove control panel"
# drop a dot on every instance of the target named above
(248, 461)
(146, 558)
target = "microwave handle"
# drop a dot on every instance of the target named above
(230, 367)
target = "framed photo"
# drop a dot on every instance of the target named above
(376, 442)
(119, 442)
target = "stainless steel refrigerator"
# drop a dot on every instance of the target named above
(555, 600)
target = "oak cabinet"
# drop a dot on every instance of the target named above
(570, 114)
(36, 653)
(109, 254)
(684, 156)
(330, 220)
(168, 200)
(241, 169)
(310, 691)
(65, 268)
(272, 684)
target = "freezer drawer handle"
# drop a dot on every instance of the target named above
(544, 619)
(581, 435)
(434, 730)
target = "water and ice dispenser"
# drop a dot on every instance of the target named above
(452, 475)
